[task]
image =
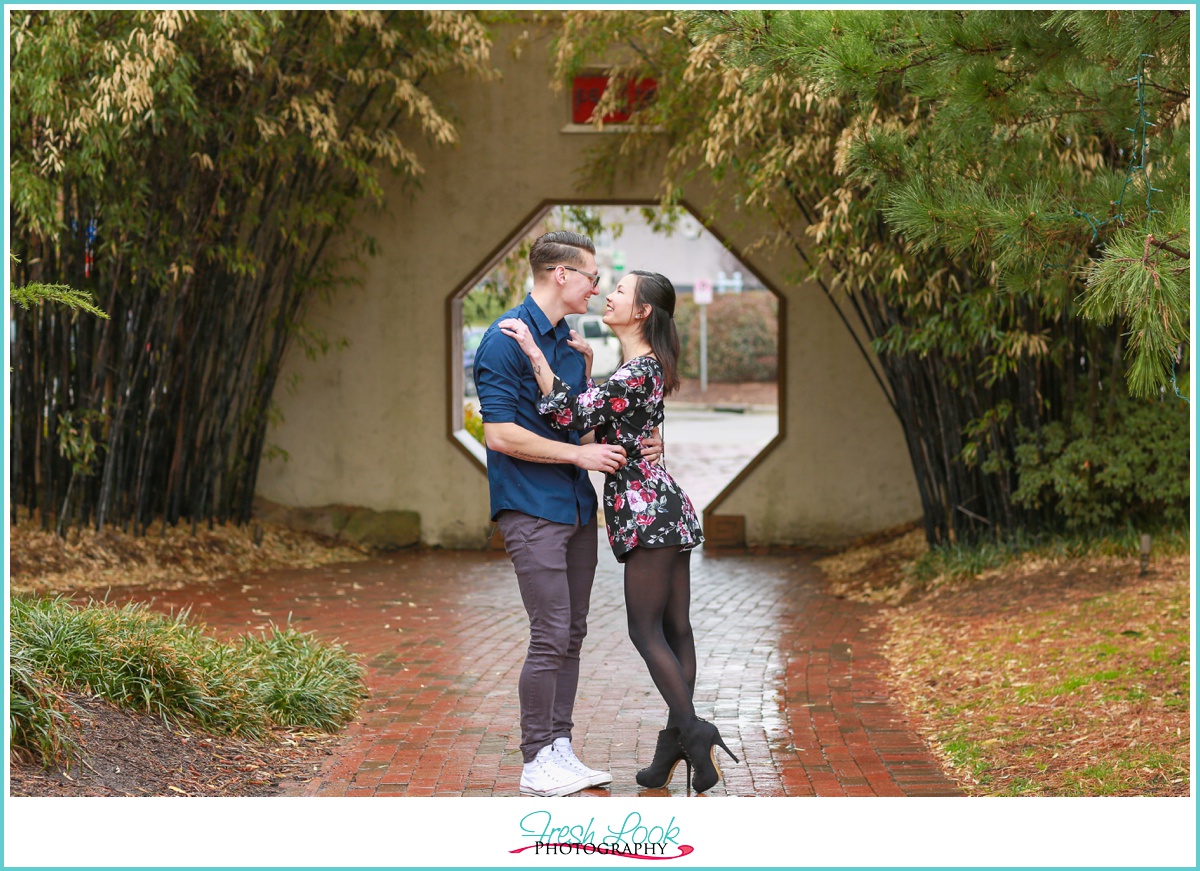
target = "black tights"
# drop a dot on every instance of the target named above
(657, 596)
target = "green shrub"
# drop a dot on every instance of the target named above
(1128, 468)
(743, 331)
(164, 666)
(130, 656)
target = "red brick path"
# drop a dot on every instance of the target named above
(790, 676)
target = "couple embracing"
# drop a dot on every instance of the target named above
(546, 425)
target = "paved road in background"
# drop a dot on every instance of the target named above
(707, 449)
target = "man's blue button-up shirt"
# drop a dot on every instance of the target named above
(508, 393)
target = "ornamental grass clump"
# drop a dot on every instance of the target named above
(305, 682)
(164, 666)
(39, 720)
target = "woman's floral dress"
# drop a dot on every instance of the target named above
(642, 503)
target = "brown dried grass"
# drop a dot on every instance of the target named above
(1048, 677)
(43, 563)
(871, 569)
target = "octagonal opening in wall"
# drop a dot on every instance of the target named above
(727, 409)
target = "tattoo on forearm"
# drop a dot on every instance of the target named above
(536, 458)
(537, 368)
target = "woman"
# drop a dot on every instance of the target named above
(651, 523)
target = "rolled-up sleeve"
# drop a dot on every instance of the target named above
(508, 394)
(500, 367)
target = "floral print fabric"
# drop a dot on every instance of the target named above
(642, 503)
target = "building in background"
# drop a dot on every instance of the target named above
(689, 254)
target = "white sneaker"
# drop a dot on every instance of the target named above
(545, 777)
(566, 758)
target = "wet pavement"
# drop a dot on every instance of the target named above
(792, 677)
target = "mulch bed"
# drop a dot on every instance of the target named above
(128, 754)
(1053, 673)
(42, 563)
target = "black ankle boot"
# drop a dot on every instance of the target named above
(667, 755)
(698, 739)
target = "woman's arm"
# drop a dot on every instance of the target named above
(589, 409)
(516, 329)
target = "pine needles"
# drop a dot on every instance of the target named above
(970, 190)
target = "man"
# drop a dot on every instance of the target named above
(545, 505)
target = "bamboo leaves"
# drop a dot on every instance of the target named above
(188, 170)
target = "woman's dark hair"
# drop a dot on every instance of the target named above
(659, 329)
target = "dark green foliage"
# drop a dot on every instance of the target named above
(1127, 468)
(1049, 144)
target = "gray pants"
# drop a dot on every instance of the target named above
(555, 565)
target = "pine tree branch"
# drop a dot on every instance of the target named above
(1184, 255)
(1182, 95)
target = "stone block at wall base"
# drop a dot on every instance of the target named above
(350, 524)
(382, 530)
(724, 531)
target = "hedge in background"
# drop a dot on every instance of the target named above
(743, 335)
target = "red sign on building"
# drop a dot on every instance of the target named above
(587, 90)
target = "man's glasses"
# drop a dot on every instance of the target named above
(595, 279)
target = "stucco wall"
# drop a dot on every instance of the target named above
(369, 424)
(842, 469)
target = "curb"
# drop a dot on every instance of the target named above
(730, 407)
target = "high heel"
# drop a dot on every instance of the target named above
(698, 739)
(667, 756)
